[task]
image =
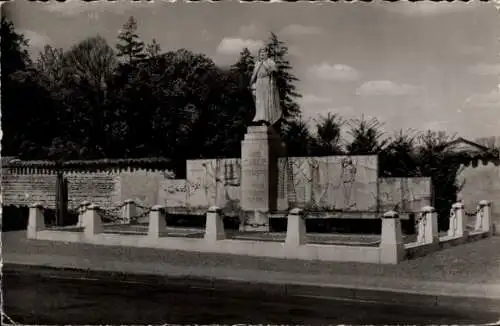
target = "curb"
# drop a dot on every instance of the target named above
(241, 286)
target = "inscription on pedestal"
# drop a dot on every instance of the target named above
(255, 188)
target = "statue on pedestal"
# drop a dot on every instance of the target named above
(265, 91)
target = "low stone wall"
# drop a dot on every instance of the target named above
(103, 188)
(391, 249)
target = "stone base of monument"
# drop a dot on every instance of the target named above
(260, 150)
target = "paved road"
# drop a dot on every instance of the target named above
(35, 298)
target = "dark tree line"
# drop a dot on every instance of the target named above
(131, 100)
(94, 100)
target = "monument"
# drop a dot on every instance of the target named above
(261, 148)
(264, 183)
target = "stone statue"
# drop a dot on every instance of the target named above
(265, 91)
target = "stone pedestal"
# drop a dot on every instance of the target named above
(296, 228)
(36, 220)
(129, 211)
(92, 221)
(259, 176)
(392, 249)
(486, 221)
(157, 225)
(214, 228)
(81, 213)
(428, 226)
(457, 221)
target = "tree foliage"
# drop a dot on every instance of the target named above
(297, 138)
(51, 67)
(14, 49)
(23, 115)
(328, 136)
(129, 45)
(367, 136)
(399, 157)
(285, 78)
(153, 49)
(243, 68)
(91, 63)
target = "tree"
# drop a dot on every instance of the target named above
(178, 104)
(285, 79)
(129, 46)
(238, 85)
(398, 158)
(217, 105)
(441, 166)
(153, 49)
(26, 106)
(91, 62)
(29, 123)
(328, 136)
(297, 138)
(90, 66)
(367, 136)
(243, 68)
(52, 74)
(14, 49)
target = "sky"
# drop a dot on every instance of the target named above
(410, 65)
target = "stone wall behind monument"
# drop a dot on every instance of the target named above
(106, 189)
(306, 182)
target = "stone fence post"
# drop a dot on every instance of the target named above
(296, 228)
(214, 226)
(457, 221)
(428, 226)
(81, 212)
(157, 225)
(92, 221)
(484, 217)
(129, 211)
(36, 221)
(392, 249)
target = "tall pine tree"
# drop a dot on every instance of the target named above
(129, 45)
(243, 68)
(285, 79)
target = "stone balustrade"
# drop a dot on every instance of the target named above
(391, 249)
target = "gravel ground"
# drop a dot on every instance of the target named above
(476, 262)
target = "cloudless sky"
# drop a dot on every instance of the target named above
(418, 66)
